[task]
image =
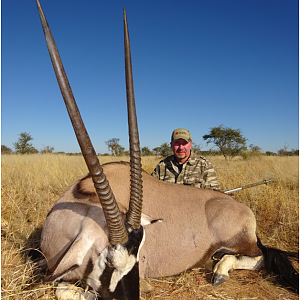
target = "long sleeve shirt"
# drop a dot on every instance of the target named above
(196, 171)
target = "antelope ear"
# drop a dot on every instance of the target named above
(147, 220)
(73, 257)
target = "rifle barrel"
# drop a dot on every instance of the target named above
(247, 186)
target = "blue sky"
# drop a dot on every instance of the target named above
(196, 65)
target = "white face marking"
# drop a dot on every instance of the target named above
(120, 259)
(123, 262)
(141, 245)
(94, 278)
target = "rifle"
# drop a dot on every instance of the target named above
(247, 186)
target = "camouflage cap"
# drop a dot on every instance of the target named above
(181, 133)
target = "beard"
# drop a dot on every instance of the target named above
(181, 155)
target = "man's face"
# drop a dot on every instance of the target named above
(181, 149)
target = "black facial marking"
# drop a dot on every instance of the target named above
(135, 237)
(128, 286)
(88, 270)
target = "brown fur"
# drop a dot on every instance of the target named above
(195, 223)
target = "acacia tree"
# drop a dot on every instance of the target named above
(23, 146)
(230, 141)
(114, 147)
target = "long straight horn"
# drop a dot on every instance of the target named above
(136, 193)
(117, 230)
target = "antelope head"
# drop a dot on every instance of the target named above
(120, 276)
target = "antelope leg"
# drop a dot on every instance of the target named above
(74, 257)
(229, 263)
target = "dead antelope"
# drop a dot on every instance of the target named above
(95, 243)
(187, 226)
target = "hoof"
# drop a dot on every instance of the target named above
(218, 279)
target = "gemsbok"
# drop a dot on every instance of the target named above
(102, 242)
(96, 244)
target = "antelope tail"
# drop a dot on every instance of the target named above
(277, 261)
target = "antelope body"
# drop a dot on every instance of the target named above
(93, 232)
(192, 223)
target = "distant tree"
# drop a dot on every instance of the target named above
(283, 151)
(125, 153)
(295, 152)
(5, 150)
(121, 151)
(210, 152)
(114, 147)
(270, 153)
(23, 146)
(156, 150)
(146, 151)
(74, 154)
(196, 149)
(164, 150)
(255, 149)
(47, 149)
(230, 141)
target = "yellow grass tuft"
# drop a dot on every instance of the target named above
(31, 184)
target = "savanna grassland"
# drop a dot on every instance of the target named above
(31, 184)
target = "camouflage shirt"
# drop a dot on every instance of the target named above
(196, 171)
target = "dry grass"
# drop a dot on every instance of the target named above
(30, 185)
